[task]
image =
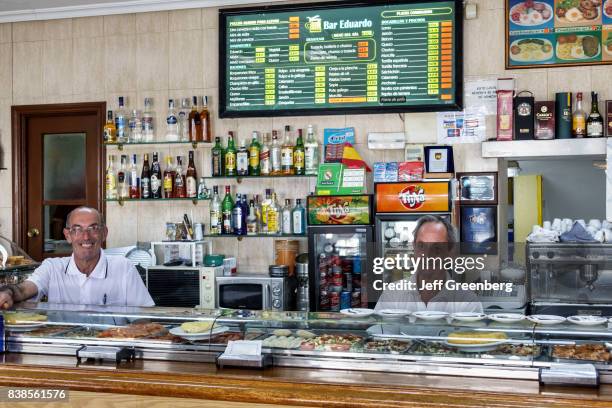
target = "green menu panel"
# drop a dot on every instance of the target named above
(338, 58)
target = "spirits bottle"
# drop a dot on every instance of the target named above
(135, 127)
(579, 118)
(195, 122)
(311, 152)
(111, 179)
(287, 153)
(299, 218)
(265, 205)
(286, 217)
(251, 223)
(275, 155)
(264, 157)
(298, 155)
(274, 217)
(145, 178)
(179, 180)
(191, 178)
(156, 177)
(239, 227)
(134, 179)
(594, 123)
(226, 212)
(245, 212)
(121, 122)
(148, 121)
(230, 156)
(217, 158)
(169, 178)
(183, 120)
(215, 212)
(171, 123)
(122, 179)
(110, 130)
(254, 151)
(205, 118)
(242, 160)
(203, 191)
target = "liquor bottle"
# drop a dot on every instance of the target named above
(286, 217)
(148, 121)
(258, 214)
(195, 122)
(217, 158)
(110, 130)
(179, 180)
(121, 122)
(134, 179)
(145, 178)
(111, 179)
(205, 118)
(242, 160)
(122, 178)
(226, 212)
(237, 224)
(265, 204)
(171, 123)
(135, 127)
(215, 212)
(274, 217)
(311, 152)
(245, 212)
(203, 191)
(183, 120)
(156, 178)
(251, 223)
(594, 124)
(169, 178)
(298, 155)
(287, 153)
(298, 218)
(578, 118)
(230, 156)
(254, 151)
(275, 155)
(191, 178)
(264, 157)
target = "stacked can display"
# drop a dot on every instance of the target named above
(339, 282)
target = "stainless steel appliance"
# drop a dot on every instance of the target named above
(255, 292)
(303, 296)
(183, 286)
(570, 278)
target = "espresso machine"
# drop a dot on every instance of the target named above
(570, 278)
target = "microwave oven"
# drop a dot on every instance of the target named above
(255, 292)
(183, 286)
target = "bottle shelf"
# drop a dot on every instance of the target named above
(160, 143)
(240, 237)
(152, 200)
(240, 178)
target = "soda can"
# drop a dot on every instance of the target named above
(347, 281)
(323, 282)
(345, 300)
(347, 265)
(356, 265)
(334, 301)
(336, 278)
(335, 260)
(356, 281)
(355, 299)
(336, 289)
(323, 300)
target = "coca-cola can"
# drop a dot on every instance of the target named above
(334, 301)
(347, 281)
(323, 282)
(324, 300)
(356, 298)
(336, 260)
(336, 278)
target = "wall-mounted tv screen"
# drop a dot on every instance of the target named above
(341, 57)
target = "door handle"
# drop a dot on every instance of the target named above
(33, 232)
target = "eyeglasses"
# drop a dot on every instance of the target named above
(78, 230)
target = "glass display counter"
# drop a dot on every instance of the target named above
(15, 264)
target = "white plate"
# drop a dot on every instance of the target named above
(468, 316)
(604, 8)
(519, 58)
(357, 312)
(393, 313)
(530, 23)
(546, 319)
(585, 320)
(506, 317)
(430, 315)
(583, 57)
(476, 348)
(24, 327)
(177, 331)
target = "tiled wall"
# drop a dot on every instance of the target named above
(174, 54)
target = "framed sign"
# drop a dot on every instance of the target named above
(478, 188)
(541, 33)
(439, 159)
(478, 229)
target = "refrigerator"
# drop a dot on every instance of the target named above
(341, 245)
(399, 205)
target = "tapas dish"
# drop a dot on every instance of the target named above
(577, 11)
(531, 13)
(577, 47)
(531, 49)
(590, 352)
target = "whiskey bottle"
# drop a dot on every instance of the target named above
(205, 118)
(264, 157)
(110, 130)
(230, 156)
(579, 118)
(217, 158)
(191, 178)
(195, 122)
(594, 124)
(242, 160)
(169, 178)
(179, 180)
(298, 155)
(111, 179)
(254, 153)
(287, 165)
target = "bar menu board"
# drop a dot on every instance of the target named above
(558, 32)
(342, 57)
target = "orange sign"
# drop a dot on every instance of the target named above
(414, 197)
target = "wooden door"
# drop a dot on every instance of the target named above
(57, 166)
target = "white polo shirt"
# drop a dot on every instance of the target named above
(114, 281)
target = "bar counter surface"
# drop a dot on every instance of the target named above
(290, 386)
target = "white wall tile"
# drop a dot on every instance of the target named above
(57, 67)
(210, 17)
(28, 31)
(120, 63)
(58, 29)
(88, 27)
(6, 32)
(155, 22)
(186, 59)
(152, 61)
(119, 24)
(189, 19)
(88, 65)
(6, 70)
(27, 83)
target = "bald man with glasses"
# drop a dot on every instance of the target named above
(88, 277)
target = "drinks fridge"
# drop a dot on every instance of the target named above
(340, 239)
(398, 208)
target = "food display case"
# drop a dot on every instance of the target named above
(500, 348)
(15, 264)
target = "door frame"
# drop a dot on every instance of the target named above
(19, 119)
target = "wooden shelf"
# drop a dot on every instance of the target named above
(594, 148)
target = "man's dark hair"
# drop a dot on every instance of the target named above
(451, 233)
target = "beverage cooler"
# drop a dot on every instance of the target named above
(340, 242)
(398, 208)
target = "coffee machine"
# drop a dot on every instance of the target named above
(570, 278)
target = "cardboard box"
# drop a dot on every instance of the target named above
(608, 119)
(523, 116)
(336, 178)
(544, 120)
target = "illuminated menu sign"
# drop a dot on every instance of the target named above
(338, 58)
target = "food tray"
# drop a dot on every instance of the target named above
(47, 331)
(500, 353)
(432, 349)
(401, 347)
(573, 360)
